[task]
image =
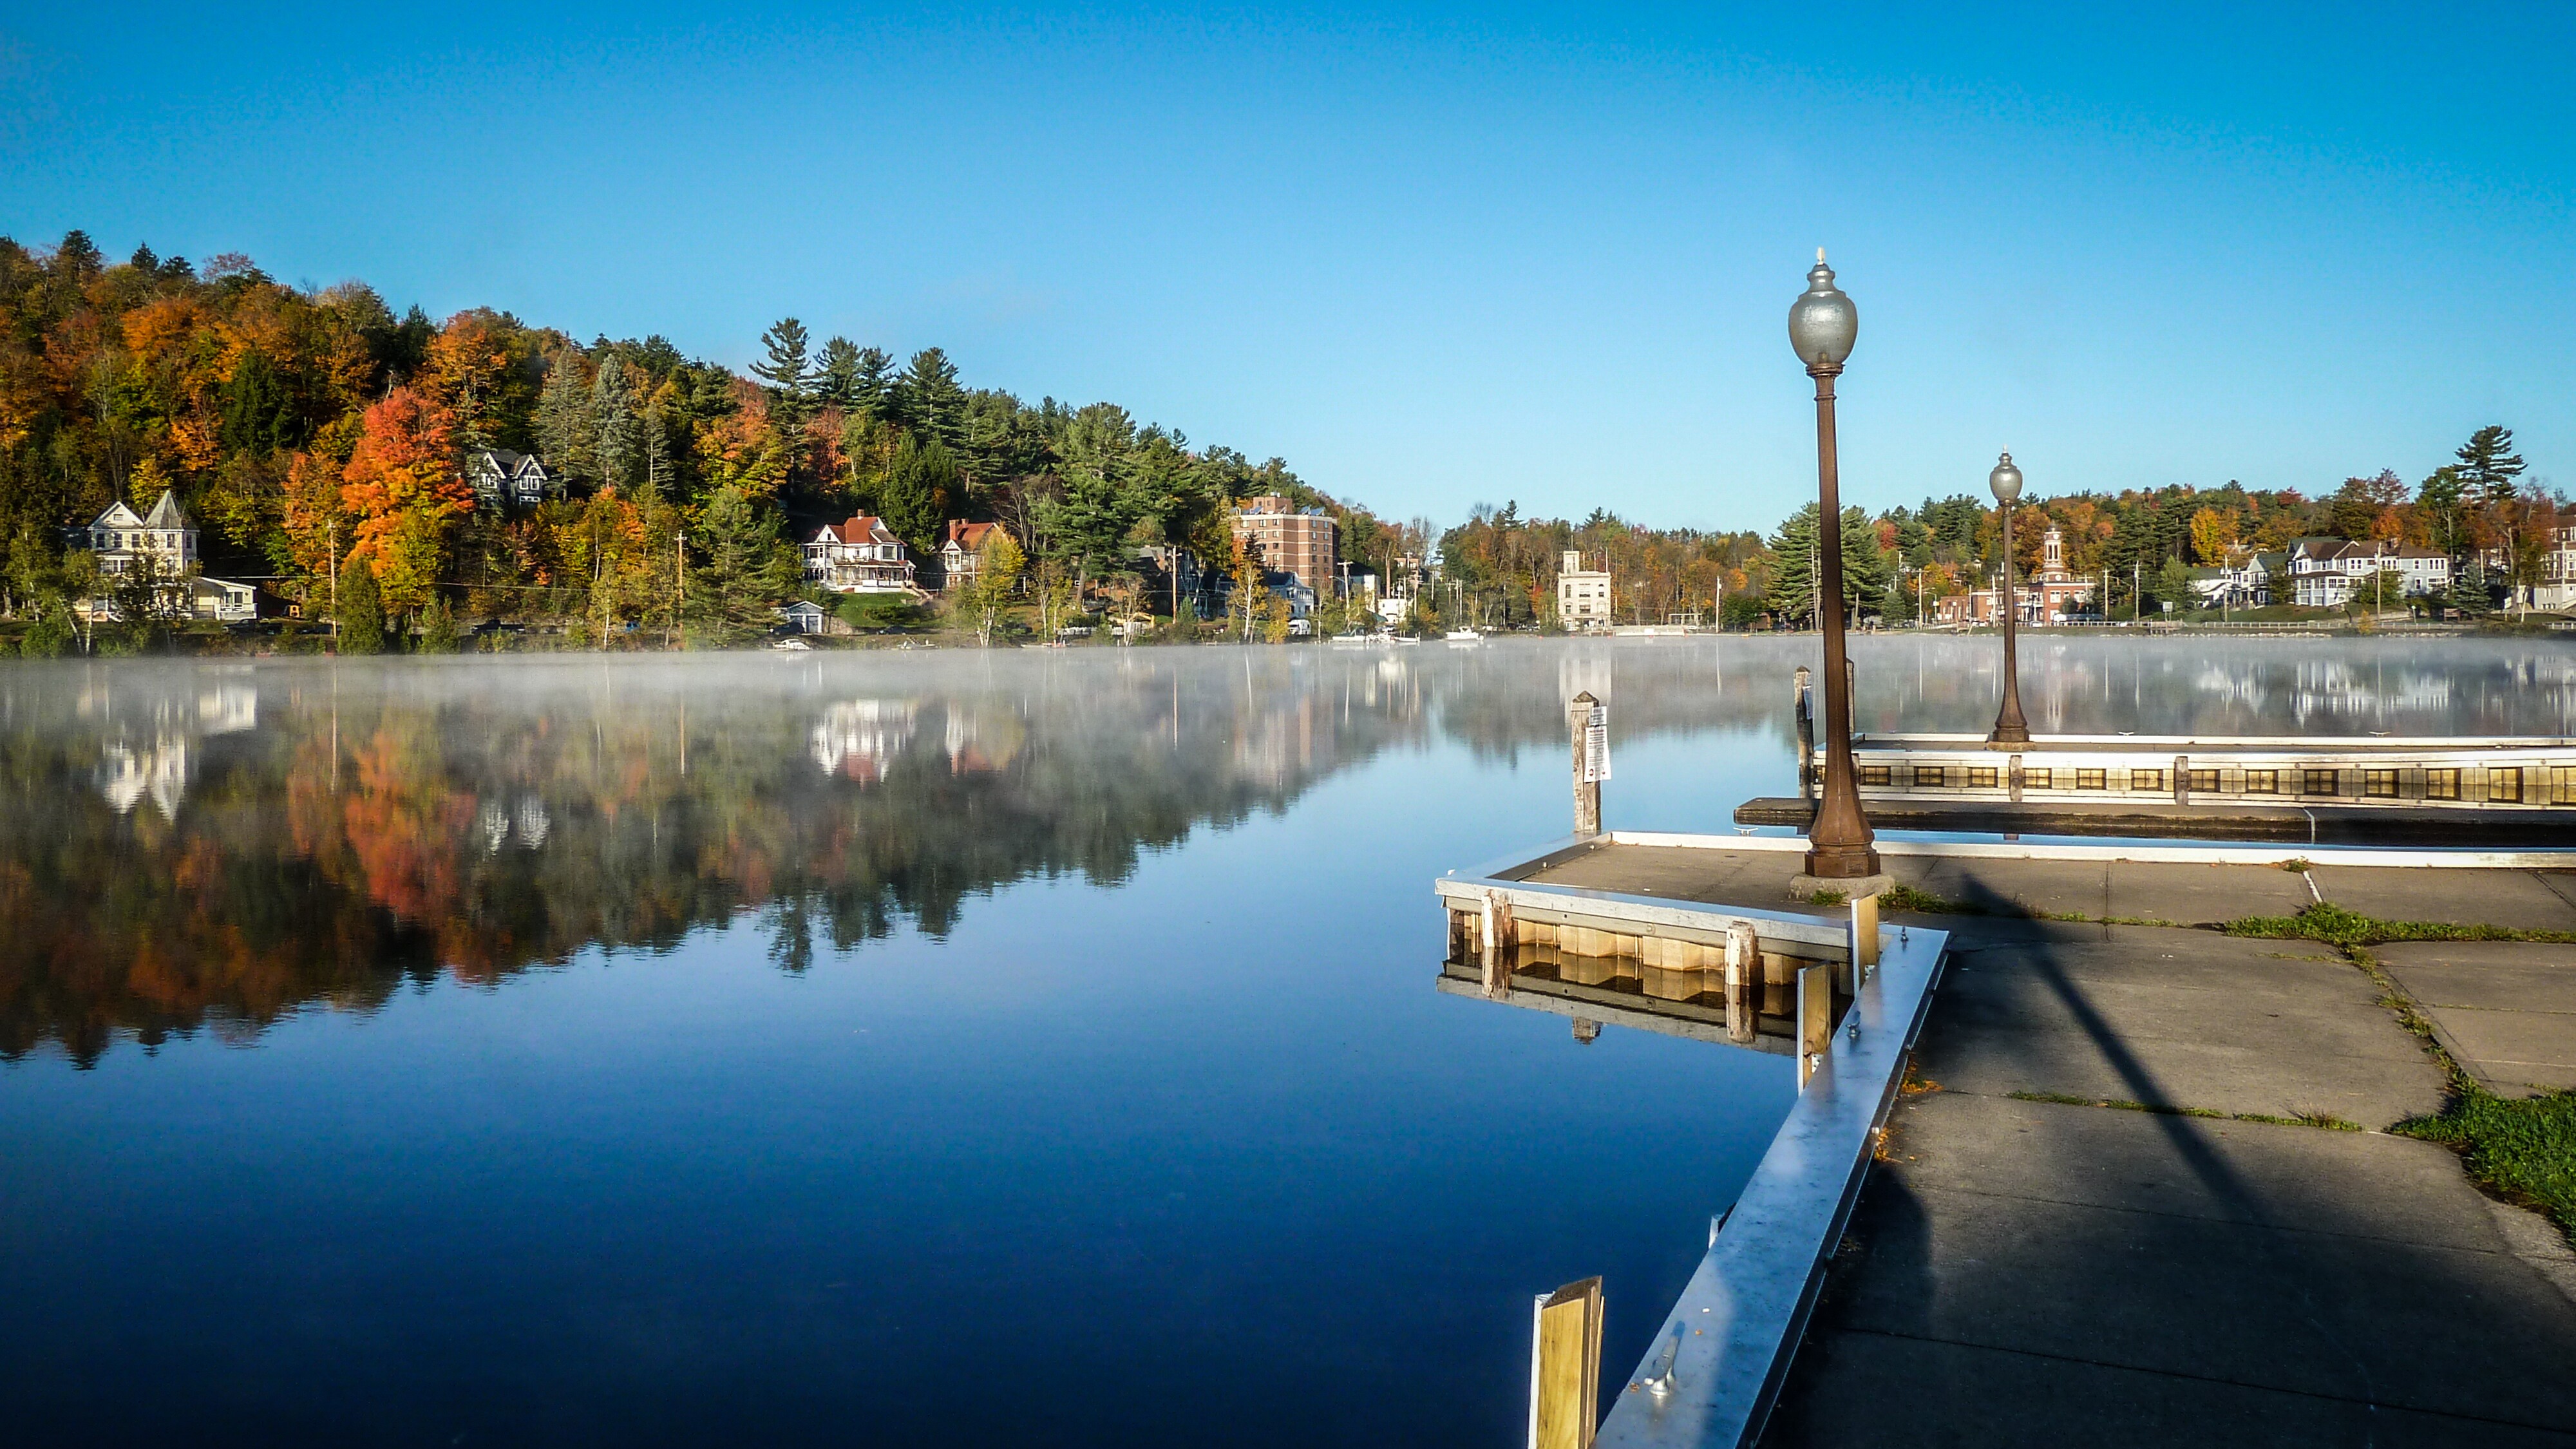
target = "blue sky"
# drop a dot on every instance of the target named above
(1433, 258)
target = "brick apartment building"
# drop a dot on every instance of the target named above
(1291, 541)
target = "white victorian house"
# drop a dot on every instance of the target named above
(860, 556)
(168, 538)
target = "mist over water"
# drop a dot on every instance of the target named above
(1028, 1045)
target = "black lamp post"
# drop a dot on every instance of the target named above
(1822, 326)
(2010, 728)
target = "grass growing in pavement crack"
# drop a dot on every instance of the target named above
(2336, 926)
(1903, 897)
(2522, 1150)
(2326, 1120)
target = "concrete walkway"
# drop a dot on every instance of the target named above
(2032, 1269)
(2101, 1218)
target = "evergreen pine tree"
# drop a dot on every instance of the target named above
(619, 433)
(2488, 465)
(836, 374)
(927, 398)
(914, 497)
(791, 384)
(362, 615)
(747, 569)
(567, 430)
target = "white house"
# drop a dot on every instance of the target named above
(2326, 572)
(961, 551)
(118, 537)
(1582, 595)
(861, 556)
(501, 476)
(168, 538)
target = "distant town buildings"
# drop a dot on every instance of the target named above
(1292, 541)
(2325, 573)
(860, 556)
(1582, 595)
(2045, 597)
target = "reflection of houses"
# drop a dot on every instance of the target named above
(976, 747)
(961, 551)
(2044, 597)
(526, 823)
(2325, 573)
(857, 739)
(1582, 595)
(501, 476)
(159, 770)
(860, 556)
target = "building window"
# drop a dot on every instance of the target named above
(2316, 782)
(2262, 782)
(2037, 780)
(2146, 779)
(2205, 780)
(1931, 775)
(2562, 784)
(1874, 774)
(1981, 777)
(2088, 780)
(2379, 784)
(2504, 786)
(2441, 784)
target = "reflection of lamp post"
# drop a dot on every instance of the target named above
(1822, 326)
(2009, 726)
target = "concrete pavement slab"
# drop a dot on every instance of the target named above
(2504, 1010)
(2176, 1018)
(2519, 900)
(2339, 1298)
(2197, 893)
(1890, 1392)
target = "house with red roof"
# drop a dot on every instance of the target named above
(861, 556)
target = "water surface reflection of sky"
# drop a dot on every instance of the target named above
(1019, 1047)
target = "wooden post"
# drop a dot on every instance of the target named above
(1743, 958)
(1497, 939)
(1815, 1018)
(1864, 937)
(1589, 770)
(1565, 1367)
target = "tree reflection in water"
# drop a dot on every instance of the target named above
(220, 845)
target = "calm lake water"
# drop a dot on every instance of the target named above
(1025, 1047)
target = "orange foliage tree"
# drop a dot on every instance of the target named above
(401, 489)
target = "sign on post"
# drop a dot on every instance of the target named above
(1596, 746)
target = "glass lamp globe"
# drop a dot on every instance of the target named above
(2005, 480)
(1822, 322)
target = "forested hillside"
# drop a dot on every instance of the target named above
(317, 435)
(322, 443)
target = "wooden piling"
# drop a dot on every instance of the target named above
(1815, 1019)
(1587, 783)
(1743, 958)
(1565, 1367)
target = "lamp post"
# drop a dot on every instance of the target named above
(2010, 729)
(1822, 326)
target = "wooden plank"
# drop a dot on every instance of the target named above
(1565, 1367)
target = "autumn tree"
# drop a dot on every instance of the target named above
(402, 491)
